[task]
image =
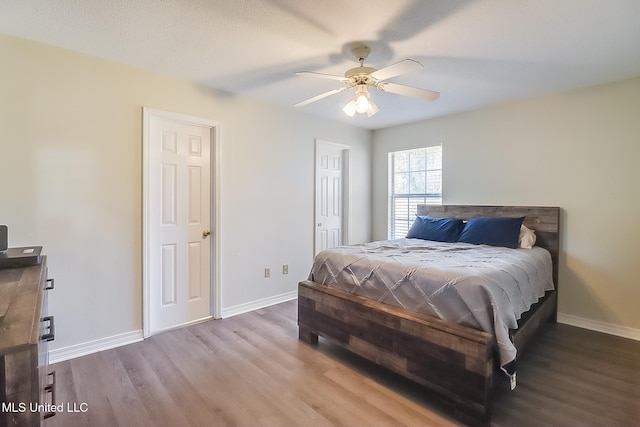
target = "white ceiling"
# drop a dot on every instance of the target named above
(474, 52)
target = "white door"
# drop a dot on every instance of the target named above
(178, 222)
(330, 195)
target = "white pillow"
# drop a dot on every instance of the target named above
(527, 238)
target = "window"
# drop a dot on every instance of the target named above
(415, 177)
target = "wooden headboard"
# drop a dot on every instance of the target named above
(545, 221)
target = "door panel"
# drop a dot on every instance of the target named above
(168, 274)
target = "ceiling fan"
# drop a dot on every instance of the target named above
(361, 78)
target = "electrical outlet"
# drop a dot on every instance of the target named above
(267, 272)
(285, 269)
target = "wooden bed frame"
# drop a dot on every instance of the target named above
(455, 361)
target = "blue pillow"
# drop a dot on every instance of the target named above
(492, 231)
(436, 229)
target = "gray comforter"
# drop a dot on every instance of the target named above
(483, 287)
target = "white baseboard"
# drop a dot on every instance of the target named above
(255, 305)
(595, 325)
(77, 350)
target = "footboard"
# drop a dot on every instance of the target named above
(455, 361)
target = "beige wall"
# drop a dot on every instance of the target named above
(70, 180)
(578, 150)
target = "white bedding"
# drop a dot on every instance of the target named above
(483, 287)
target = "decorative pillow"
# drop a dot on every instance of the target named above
(527, 238)
(492, 231)
(436, 229)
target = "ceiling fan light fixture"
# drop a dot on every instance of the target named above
(362, 103)
(373, 108)
(350, 108)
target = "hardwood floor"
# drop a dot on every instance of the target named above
(251, 370)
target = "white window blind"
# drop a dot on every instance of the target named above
(415, 177)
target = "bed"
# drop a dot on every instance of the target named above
(456, 361)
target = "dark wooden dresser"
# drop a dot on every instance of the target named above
(27, 387)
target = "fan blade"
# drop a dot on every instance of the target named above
(322, 95)
(323, 76)
(396, 69)
(429, 95)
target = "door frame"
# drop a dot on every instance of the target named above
(346, 190)
(215, 264)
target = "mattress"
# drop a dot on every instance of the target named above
(483, 287)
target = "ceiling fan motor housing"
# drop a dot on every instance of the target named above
(360, 75)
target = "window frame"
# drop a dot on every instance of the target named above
(399, 222)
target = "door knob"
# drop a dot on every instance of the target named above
(206, 233)
(319, 224)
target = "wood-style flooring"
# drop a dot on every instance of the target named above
(251, 370)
